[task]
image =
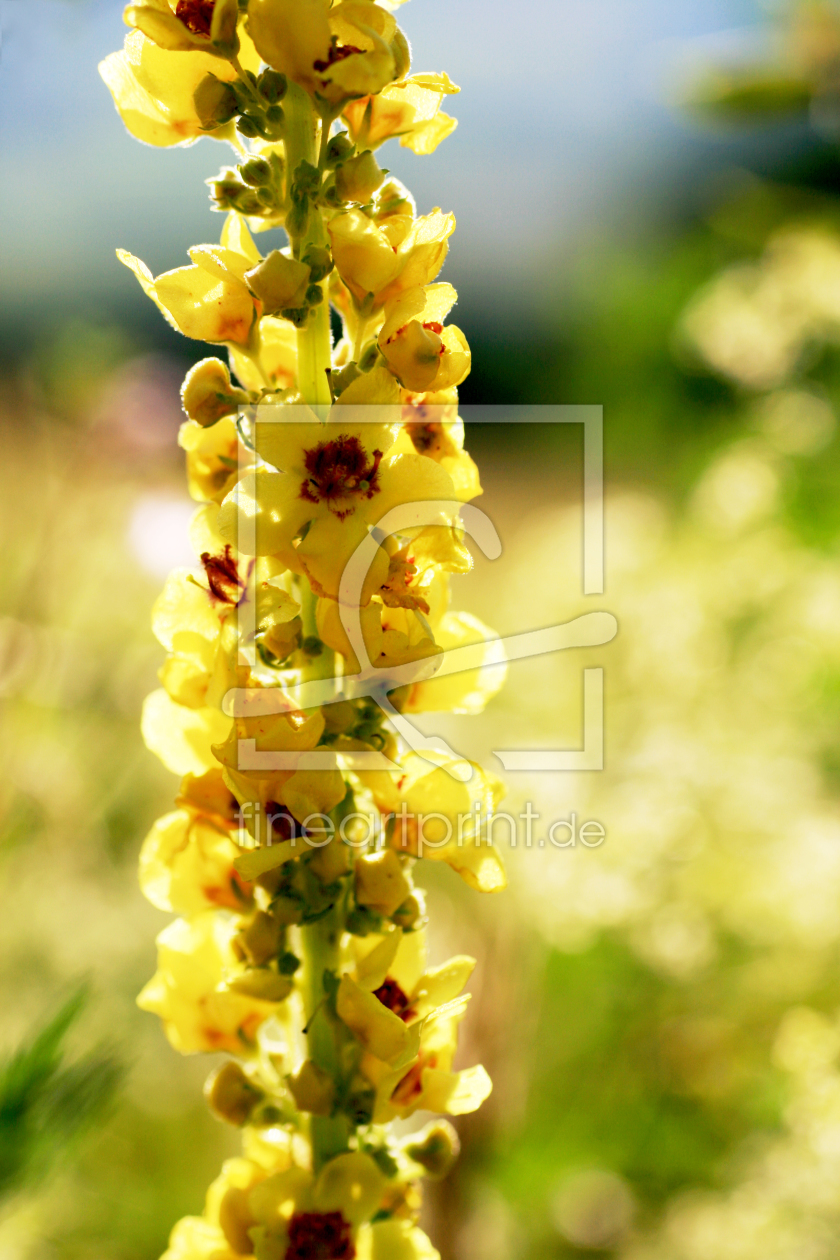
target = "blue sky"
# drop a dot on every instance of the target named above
(564, 120)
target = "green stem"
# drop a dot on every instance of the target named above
(321, 941)
(314, 342)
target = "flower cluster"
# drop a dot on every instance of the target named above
(300, 950)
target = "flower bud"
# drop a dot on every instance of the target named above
(231, 1094)
(261, 983)
(279, 282)
(314, 295)
(339, 148)
(380, 882)
(272, 86)
(256, 172)
(359, 178)
(413, 355)
(248, 126)
(223, 26)
(330, 862)
(434, 1148)
(287, 910)
(411, 913)
(319, 261)
(312, 1089)
(207, 393)
(401, 49)
(261, 938)
(215, 102)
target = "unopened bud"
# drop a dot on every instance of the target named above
(312, 1089)
(401, 49)
(261, 983)
(207, 393)
(319, 261)
(330, 862)
(297, 217)
(248, 126)
(223, 26)
(272, 85)
(339, 148)
(411, 912)
(275, 115)
(279, 282)
(380, 882)
(434, 1148)
(392, 199)
(256, 172)
(215, 102)
(261, 938)
(359, 178)
(286, 910)
(231, 1094)
(314, 295)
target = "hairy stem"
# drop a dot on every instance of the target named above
(314, 342)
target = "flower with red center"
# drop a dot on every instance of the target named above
(337, 53)
(338, 470)
(391, 995)
(320, 1236)
(196, 15)
(223, 577)
(338, 479)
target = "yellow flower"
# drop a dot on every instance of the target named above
(207, 393)
(338, 479)
(276, 349)
(471, 690)
(409, 110)
(210, 300)
(153, 89)
(300, 1214)
(394, 1239)
(403, 253)
(337, 53)
(212, 458)
(186, 865)
(386, 645)
(180, 736)
(419, 350)
(221, 1233)
(437, 816)
(266, 795)
(194, 956)
(187, 24)
(392, 973)
(432, 427)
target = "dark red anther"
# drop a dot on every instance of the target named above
(337, 53)
(197, 15)
(320, 1236)
(338, 470)
(223, 576)
(391, 995)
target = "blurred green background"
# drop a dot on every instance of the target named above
(648, 199)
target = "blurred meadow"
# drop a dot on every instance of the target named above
(648, 199)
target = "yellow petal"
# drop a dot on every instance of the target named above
(181, 737)
(205, 307)
(382, 1033)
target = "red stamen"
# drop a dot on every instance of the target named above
(391, 995)
(197, 15)
(223, 576)
(320, 1236)
(339, 470)
(337, 53)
